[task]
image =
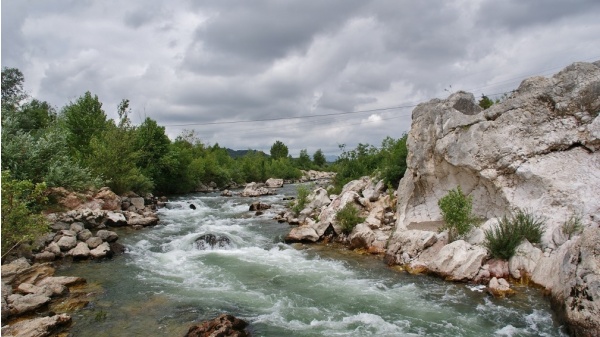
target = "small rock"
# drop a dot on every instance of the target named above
(258, 206)
(43, 326)
(76, 227)
(108, 236)
(302, 234)
(84, 235)
(224, 325)
(19, 304)
(211, 241)
(66, 243)
(101, 251)
(81, 251)
(93, 242)
(44, 257)
(499, 287)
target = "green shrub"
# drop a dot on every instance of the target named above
(21, 220)
(503, 240)
(348, 218)
(572, 226)
(456, 210)
(301, 199)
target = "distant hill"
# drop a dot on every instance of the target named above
(240, 153)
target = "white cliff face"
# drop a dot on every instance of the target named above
(539, 149)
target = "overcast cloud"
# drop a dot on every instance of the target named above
(191, 64)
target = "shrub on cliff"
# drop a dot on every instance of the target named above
(348, 218)
(302, 199)
(503, 240)
(456, 210)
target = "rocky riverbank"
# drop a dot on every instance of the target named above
(36, 303)
(536, 150)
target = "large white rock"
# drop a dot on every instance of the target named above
(302, 234)
(274, 183)
(458, 261)
(551, 123)
(36, 327)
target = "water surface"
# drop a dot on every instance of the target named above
(163, 284)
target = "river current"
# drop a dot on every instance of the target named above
(163, 284)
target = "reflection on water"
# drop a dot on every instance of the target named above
(163, 284)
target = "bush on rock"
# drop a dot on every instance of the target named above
(503, 240)
(456, 210)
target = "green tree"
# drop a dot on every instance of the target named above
(393, 160)
(319, 158)
(21, 220)
(485, 102)
(113, 156)
(279, 150)
(12, 87)
(304, 161)
(152, 144)
(456, 210)
(83, 120)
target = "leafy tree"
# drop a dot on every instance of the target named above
(485, 102)
(279, 150)
(393, 161)
(113, 156)
(21, 221)
(304, 161)
(83, 120)
(152, 144)
(12, 87)
(319, 158)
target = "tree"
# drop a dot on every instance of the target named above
(279, 150)
(20, 220)
(485, 102)
(12, 86)
(304, 161)
(152, 142)
(83, 120)
(319, 158)
(456, 209)
(113, 156)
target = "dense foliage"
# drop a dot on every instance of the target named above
(456, 210)
(503, 240)
(21, 220)
(387, 162)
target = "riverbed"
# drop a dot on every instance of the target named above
(163, 284)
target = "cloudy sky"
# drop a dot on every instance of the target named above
(246, 73)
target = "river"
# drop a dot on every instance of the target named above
(163, 284)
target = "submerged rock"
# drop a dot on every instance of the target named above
(222, 326)
(212, 241)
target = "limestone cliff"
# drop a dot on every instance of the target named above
(538, 150)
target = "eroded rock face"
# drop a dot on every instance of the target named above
(577, 292)
(537, 150)
(551, 123)
(42, 326)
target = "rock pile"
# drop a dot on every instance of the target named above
(28, 290)
(367, 195)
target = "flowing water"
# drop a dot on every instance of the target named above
(164, 284)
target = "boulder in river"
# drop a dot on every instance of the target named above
(222, 326)
(211, 241)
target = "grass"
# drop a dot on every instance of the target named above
(503, 240)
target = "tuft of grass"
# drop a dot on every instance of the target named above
(503, 240)
(348, 217)
(572, 226)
